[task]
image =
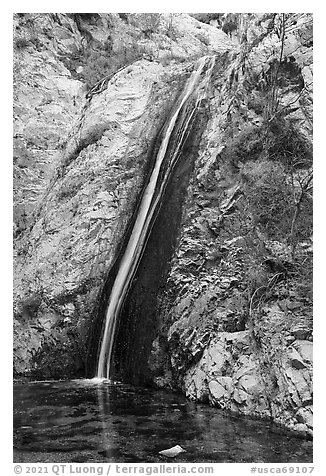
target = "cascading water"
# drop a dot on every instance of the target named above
(192, 95)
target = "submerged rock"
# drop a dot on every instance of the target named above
(172, 452)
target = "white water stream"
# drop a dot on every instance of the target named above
(196, 89)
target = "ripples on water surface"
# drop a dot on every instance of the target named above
(85, 421)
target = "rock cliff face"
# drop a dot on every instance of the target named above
(78, 186)
(221, 306)
(237, 316)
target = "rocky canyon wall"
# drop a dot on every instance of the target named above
(237, 308)
(221, 308)
(78, 186)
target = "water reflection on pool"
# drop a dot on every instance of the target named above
(87, 421)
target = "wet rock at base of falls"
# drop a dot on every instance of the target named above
(172, 452)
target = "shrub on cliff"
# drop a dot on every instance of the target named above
(31, 305)
(20, 43)
(276, 139)
(97, 65)
(246, 145)
(275, 164)
(284, 143)
(280, 203)
(147, 22)
(269, 196)
(101, 63)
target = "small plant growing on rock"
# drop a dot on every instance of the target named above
(171, 30)
(269, 196)
(229, 26)
(150, 23)
(124, 17)
(21, 43)
(31, 305)
(97, 65)
(147, 22)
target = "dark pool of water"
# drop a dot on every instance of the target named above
(79, 421)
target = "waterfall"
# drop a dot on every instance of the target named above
(193, 93)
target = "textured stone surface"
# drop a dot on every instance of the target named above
(263, 357)
(72, 213)
(87, 209)
(46, 101)
(80, 166)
